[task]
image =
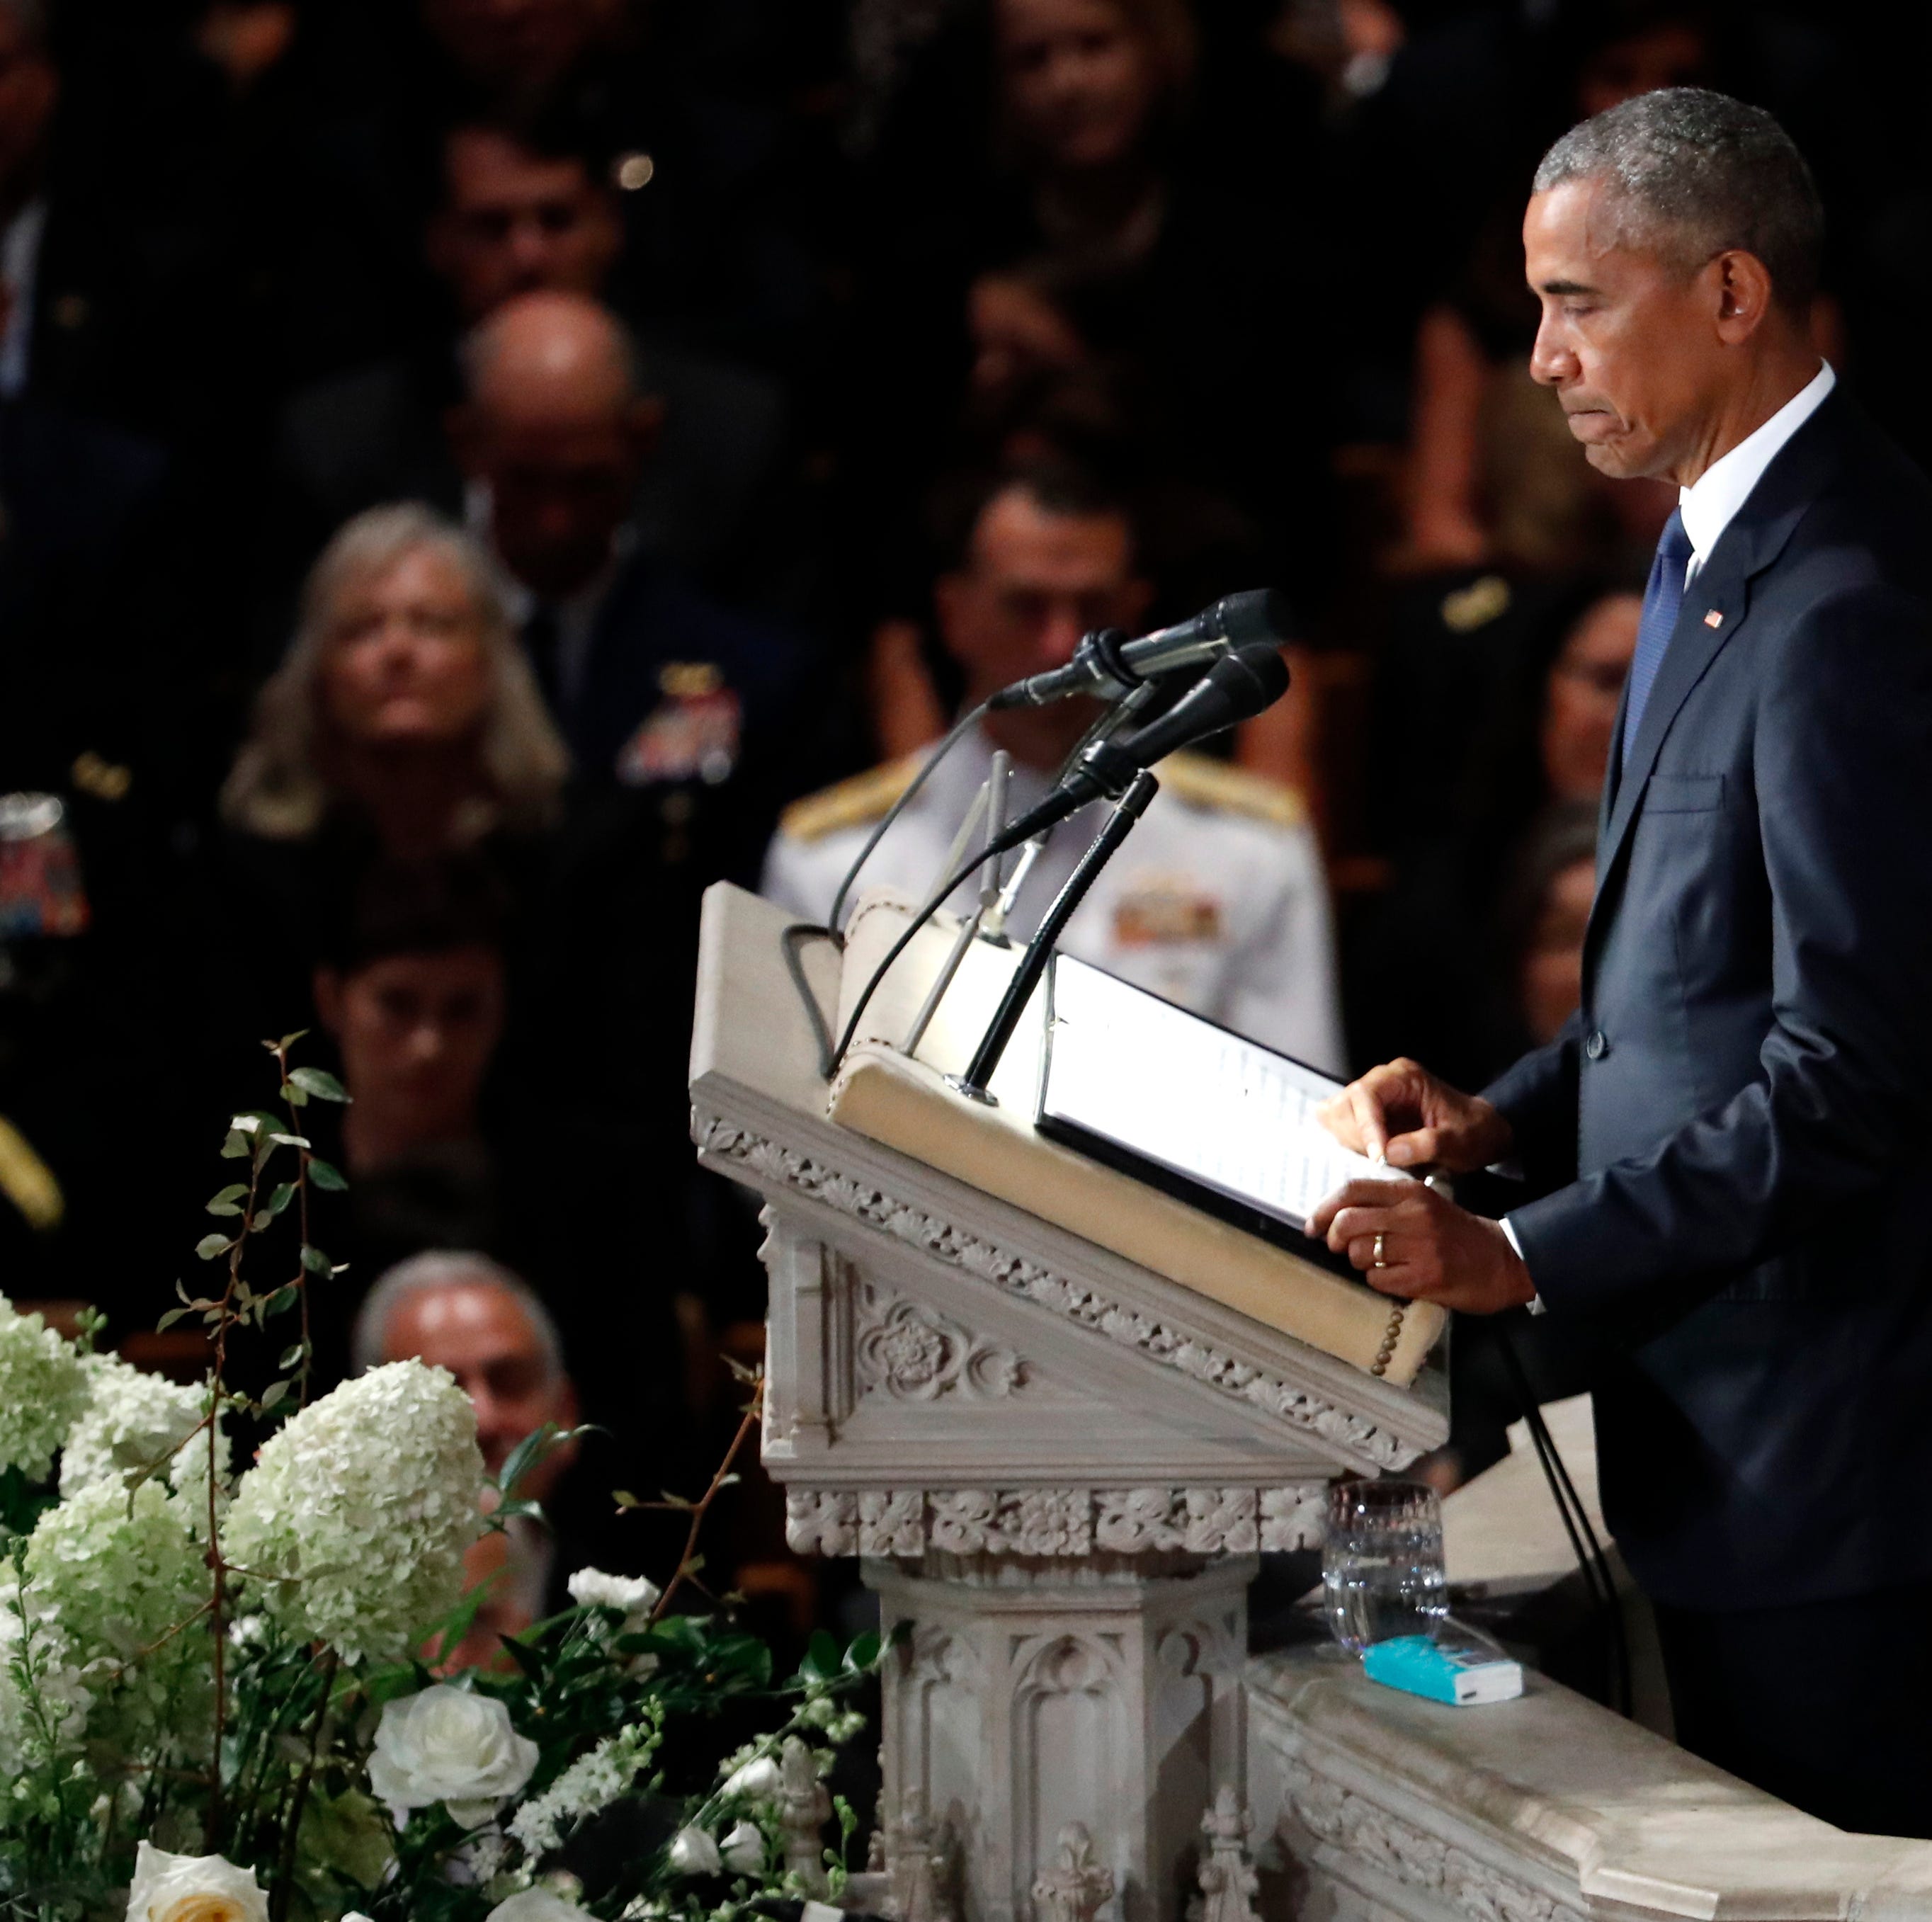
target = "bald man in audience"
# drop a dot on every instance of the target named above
(530, 209)
(471, 1315)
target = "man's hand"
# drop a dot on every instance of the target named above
(1431, 1249)
(1401, 1114)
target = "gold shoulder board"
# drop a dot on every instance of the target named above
(856, 801)
(1228, 789)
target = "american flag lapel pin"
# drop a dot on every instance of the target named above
(1714, 619)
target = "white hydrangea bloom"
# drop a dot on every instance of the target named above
(61, 1699)
(369, 1497)
(593, 1782)
(131, 1419)
(43, 1387)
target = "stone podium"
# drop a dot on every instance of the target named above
(1057, 1464)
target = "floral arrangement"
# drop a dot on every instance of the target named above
(219, 1701)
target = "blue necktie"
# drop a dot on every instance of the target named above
(1662, 598)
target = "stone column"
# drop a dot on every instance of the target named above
(1028, 1694)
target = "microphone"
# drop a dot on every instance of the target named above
(1244, 680)
(1107, 664)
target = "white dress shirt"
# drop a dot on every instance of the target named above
(1710, 503)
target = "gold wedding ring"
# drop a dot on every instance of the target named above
(1382, 1251)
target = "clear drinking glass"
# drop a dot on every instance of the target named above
(1381, 1562)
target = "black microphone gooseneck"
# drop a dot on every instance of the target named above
(1127, 810)
(1240, 684)
(1108, 664)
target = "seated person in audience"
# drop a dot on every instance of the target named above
(1218, 899)
(655, 685)
(404, 724)
(529, 208)
(472, 1316)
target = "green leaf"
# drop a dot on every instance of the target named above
(287, 1041)
(283, 1299)
(863, 1654)
(224, 1203)
(294, 1095)
(822, 1658)
(314, 1260)
(624, 1498)
(272, 1394)
(169, 1320)
(326, 1175)
(292, 1355)
(314, 1081)
(284, 1193)
(282, 1141)
(235, 1146)
(527, 1453)
(210, 1245)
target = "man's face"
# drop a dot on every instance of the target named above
(515, 222)
(1034, 582)
(404, 665)
(482, 1336)
(561, 484)
(417, 1031)
(1627, 339)
(1079, 83)
(1579, 713)
(29, 88)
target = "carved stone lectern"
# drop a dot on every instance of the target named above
(1058, 1464)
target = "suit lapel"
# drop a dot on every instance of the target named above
(1713, 609)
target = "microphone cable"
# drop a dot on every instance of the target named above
(1592, 1562)
(953, 736)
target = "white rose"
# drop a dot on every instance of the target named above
(743, 1850)
(693, 1853)
(192, 1888)
(537, 1905)
(592, 1588)
(758, 1781)
(446, 1745)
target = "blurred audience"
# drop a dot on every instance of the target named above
(603, 395)
(1218, 901)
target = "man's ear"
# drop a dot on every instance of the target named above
(1744, 295)
(327, 986)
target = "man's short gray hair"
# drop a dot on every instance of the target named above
(1699, 173)
(369, 1345)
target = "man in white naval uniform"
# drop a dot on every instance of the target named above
(1217, 900)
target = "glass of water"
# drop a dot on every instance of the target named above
(1381, 1562)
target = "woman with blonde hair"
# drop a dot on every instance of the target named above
(405, 711)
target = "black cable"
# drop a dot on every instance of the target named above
(1593, 1563)
(953, 737)
(899, 947)
(790, 941)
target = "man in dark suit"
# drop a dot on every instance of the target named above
(1725, 1146)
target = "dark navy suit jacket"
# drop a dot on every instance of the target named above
(1733, 1131)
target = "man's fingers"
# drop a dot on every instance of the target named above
(1350, 1194)
(1337, 1114)
(1369, 1123)
(1416, 1149)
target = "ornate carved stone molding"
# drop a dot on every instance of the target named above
(1050, 1522)
(1366, 1831)
(913, 1353)
(1172, 1347)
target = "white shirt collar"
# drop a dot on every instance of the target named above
(1710, 505)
